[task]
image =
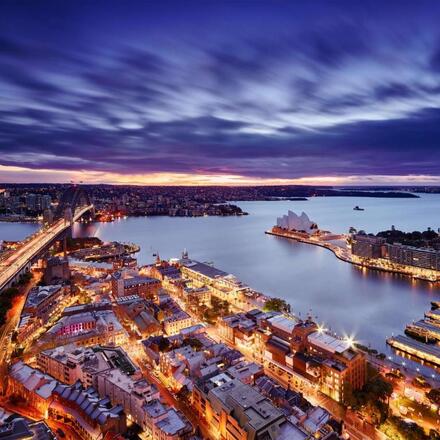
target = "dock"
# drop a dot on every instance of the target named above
(426, 352)
(424, 329)
(434, 316)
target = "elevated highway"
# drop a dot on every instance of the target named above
(20, 260)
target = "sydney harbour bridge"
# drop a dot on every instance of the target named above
(74, 204)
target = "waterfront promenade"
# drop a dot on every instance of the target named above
(338, 245)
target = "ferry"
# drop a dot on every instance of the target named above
(357, 208)
(435, 305)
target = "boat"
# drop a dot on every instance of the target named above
(435, 305)
(357, 208)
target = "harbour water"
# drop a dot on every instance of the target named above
(367, 304)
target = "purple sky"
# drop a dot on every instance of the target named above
(220, 92)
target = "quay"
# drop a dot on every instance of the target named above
(323, 240)
(424, 329)
(327, 240)
(434, 316)
(426, 352)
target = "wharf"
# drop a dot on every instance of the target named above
(426, 352)
(433, 315)
(345, 254)
(425, 329)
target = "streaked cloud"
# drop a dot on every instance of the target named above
(220, 93)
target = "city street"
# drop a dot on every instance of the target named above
(13, 318)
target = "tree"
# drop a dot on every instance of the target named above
(434, 396)
(434, 435)
(276, 305)
(6, 299)
(397, 428)
(164, 344)
(373, 399)
(183, 393)
(194, 343)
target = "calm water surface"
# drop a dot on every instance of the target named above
(370, 305)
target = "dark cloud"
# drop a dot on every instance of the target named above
(394, 90)
(338, 92)
(435, 59)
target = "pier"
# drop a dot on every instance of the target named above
(429, 353)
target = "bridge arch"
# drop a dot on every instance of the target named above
(74, 197)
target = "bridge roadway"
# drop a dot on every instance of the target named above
(17, 261)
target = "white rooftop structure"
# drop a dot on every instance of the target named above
(283, 323)
(328, 342)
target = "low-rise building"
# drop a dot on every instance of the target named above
(32, 385)
(137, 314)
(173, 324)
(87, 328)
(180, 365)
(124, 284)
(238, 329)
(128, 392)
(223, 285)
(341, 365)
(245, 371)
(300, 355)
(42, 303)
(238, 411)
(161, 270)
(20, 428)
(90, 415)
(70, 363)
(198, 295)
(164, 423)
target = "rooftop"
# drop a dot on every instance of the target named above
(251, 407)
(173, 423)
(19, 428)
(33, 379)
(328, 342)
(283, 323)
(88, 402)
(136, 281)
(244, 369)
(204, 269)
(38, 294)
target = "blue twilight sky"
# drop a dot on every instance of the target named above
(220, 92)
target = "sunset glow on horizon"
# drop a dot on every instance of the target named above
(15, 174)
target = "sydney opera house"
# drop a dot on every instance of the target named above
(294, 222)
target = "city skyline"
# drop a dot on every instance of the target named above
(220, 93)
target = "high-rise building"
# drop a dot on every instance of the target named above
(412, 256)
(47, 216)
(368, 246)
(31, 202)
(46, 201)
